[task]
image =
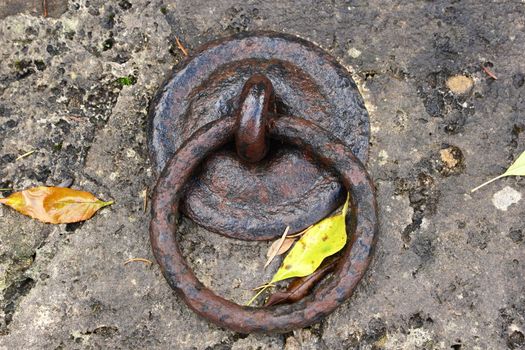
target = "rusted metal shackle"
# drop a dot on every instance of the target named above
(257, 100)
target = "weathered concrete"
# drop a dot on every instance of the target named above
(448, 271)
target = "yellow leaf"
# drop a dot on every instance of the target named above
(281, 246)
(320, 241)
(516, 169)
(55, 205)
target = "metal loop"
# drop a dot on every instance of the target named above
(257, 100)
(355, 258)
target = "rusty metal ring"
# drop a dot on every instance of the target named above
(331, 293)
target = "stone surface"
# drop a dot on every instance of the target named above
(448, 271)
(52, 8)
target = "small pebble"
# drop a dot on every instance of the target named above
(354, 53)
(459, 84)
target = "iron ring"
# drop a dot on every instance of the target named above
(362, 227)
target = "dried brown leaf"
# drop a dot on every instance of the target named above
(275, 247)
(55, 205)
(287, 244)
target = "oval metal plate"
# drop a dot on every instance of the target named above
(287, 188)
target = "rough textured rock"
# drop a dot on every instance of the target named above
(448, 271)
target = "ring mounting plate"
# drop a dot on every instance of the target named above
(287, 188)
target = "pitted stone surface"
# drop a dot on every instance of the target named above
(449, 266)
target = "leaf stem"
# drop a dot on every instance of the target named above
(266, 285)
(299, 234)
(259, 293)
(486, 183)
